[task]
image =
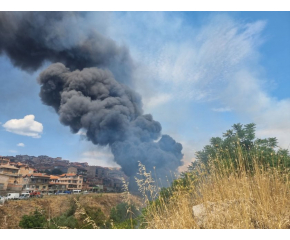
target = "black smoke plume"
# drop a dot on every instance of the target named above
(86, 88)
(30, 39)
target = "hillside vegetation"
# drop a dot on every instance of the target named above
(237, 182)
(62, 206)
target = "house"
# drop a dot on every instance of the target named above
(14, 178)
(91, 171)
(94, 184)
(24, 169)
(102, 172)
(4, 161)
(79, 170)
(73, 181)
(72, 170)
(55, 185)
(36, 182)
(3, 182)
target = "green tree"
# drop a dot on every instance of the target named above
(242, 137)
(35, 220)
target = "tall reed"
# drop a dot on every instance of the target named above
(229, 193)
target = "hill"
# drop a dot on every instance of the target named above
(13, 210)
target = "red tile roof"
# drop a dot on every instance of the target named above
(54, 177)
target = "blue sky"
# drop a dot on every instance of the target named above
(197, 72)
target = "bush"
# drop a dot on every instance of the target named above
(127, 224)
(64, 221)
(35, 220)
(96, 215)
(123, 211)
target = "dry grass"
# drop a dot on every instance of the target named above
(13, 210)
(231, 198)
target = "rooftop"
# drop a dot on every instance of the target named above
(54, 177)
(8, 166)
(37, 175)
(69, 175)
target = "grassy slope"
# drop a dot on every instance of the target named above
(12, 211)
(230, 199)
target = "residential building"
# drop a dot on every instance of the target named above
(36, 182)
(55, 185)
(4, 161)
(94, 184)
(91, 171)
(11, 174)
(14, 178)
(72, 170)
(24, 169)
(79, 170)
(4, 179)
(73, 181)
(76, 175)
(102, 172)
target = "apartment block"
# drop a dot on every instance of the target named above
(73, 181)
(36, 182)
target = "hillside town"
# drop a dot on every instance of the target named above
(48, 175)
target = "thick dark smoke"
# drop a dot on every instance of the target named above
(30, 39)
(111, 114)
(86, 88)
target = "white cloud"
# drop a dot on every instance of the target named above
(217, 62)
(81, 132)
(21, 145)
(158, 100)
(99, 156)
(26, 126)
(198, 68)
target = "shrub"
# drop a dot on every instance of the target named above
(95, 215)
(35, 220)
(63, 221)
(123, 211)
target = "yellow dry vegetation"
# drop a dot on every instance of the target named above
(13, 210)
(226, 198)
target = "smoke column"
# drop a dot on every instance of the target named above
(86, 87)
